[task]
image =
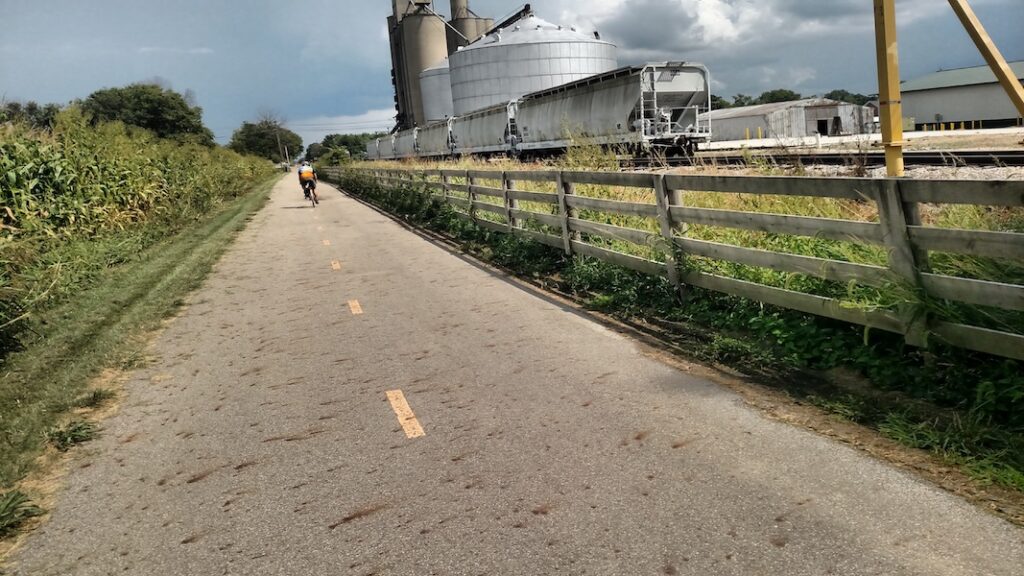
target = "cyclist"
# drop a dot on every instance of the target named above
(307, 178)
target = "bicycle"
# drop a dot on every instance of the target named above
(309, 189)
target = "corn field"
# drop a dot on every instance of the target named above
(80, 198)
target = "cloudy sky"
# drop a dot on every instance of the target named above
(324, 65)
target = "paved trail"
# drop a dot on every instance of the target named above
(263, 440)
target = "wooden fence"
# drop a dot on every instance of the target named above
(899, 231)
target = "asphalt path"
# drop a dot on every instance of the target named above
(344, 396)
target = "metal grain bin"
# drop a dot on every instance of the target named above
(436, 85)
(532, 55)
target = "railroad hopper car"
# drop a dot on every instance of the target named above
(434, 141)
(405, 144)
(484, 132)
(652, 107)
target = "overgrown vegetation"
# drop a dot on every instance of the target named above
(103, 229)
(153, 107)
(966, 407)
(81, 199)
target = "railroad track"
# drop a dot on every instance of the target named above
(950, 158)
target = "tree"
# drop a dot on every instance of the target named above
(262, 137)
(743, 100)
(314, 151)
(851, 97)
(717, 102)
(354, 144)
(31, 113)
(161, 110)
(778, 95)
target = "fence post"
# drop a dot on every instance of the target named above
(446, 186)
(507, 185)
(565, 189)
(470, 182)
(905, 261)
(667, 233)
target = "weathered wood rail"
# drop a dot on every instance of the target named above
(899, 231)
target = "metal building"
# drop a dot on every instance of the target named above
(795, 119)
(961, 95)
(530, 55)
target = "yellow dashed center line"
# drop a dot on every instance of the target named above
(405, 415)
(335, 265)
(354, 306)
(327, 242)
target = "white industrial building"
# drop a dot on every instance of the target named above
(795, 119)
(960, 95)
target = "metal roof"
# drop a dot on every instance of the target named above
(764, 109)
(532, 30)
(959, 77)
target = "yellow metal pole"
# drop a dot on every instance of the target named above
(890, 108)
(992, 55)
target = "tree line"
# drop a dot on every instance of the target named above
(166, 113)
(784, 95)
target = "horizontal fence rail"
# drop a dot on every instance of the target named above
(580, 224)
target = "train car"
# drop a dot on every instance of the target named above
(372, 151)
(387, 148)
(487, 131)
(655, 106)
(434, 140)
(405, 144)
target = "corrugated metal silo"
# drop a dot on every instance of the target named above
(465, 26)
(532, 55)
(424, 44)
(436, 85)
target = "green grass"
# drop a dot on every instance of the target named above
(77, 432)
(964, 407)
(105, 326)
(15, 509)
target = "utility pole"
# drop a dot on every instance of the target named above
(890, 106)
(280, 150)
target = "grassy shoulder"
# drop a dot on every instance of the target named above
(104, 326)
(960, 406)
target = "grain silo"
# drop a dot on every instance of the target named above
(418, 41)
(435, 83)
(528, 56)
(465, 26)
